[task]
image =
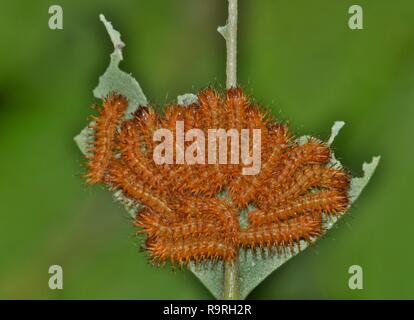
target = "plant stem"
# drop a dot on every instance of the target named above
(231, 280)
(229, 32)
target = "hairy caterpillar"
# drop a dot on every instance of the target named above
(236, 107)
(312, 176)
(212, 208)
(105, 127)
(244, 188)
(330, 202)
(123, 178)
(193, 249)
(191, 211)
(131, 152)
(284, 234)
(154, 225)
(147, 122)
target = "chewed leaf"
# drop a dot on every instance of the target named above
(338, 125)
(254, 268)
(83, 139)
(114, 80)
(130, 206)
(358, 184)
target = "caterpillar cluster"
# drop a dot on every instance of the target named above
(184, 215)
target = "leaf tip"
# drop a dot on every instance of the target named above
(114, 35)
(337, 126)
(359, 183)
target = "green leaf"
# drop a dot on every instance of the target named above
(254, 268)
(115, 80)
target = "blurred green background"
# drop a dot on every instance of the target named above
(297, 57)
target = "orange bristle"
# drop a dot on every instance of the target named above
(105, 127)
(284, 234)
(330, 202)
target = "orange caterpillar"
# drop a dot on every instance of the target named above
(209, 114)
(244, 188)
(330, 202)
(217, 209)
(132, 154)
(105, 127)
(120, 176)
(299, 156)
(312, 176)
(147, 122)
(191, 212)
(284, 234)
(194, 249)
(237, 104)
(155, 226)
(211, 111)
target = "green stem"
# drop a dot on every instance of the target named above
(229, 32)
(231, 280)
